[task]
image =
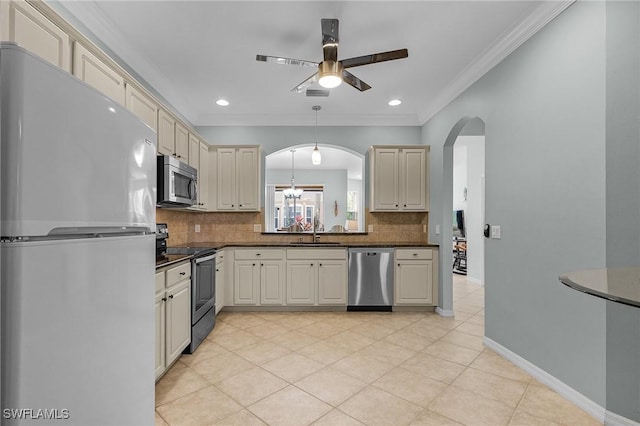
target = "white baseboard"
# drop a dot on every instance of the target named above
(542, 376)
(447, 313)
(613, 419)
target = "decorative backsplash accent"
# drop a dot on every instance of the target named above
(239, 228)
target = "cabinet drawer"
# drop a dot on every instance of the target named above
(414, 254)
(178, 273)
(254, 254)
(317, 253)
(159, 281)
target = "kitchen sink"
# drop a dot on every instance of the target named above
(314, 243)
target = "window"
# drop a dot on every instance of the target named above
(289, 211)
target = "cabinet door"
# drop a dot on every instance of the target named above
(226, 181)
(332, 282)
(203, 176)
(248, 178)
(413, 175)
(302, 279)
(194, 151)
(160, 331)
(386, 187)
(414, 282)
(178, 318)
(182, 143)
(166, 133)
(272, 282)
(219, 283)
(93, 71)
(246, 282)
(142, 106)
(33, 31)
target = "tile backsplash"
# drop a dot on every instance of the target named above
(238, 227)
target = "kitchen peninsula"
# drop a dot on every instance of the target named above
(621, 289)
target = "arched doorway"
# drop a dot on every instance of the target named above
(463, 218)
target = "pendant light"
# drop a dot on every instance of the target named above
(316, 157)
(292, 192)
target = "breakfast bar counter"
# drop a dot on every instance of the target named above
(621, 285)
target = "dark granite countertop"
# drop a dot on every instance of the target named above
(620, 285)
(170, 259)
(221, 245)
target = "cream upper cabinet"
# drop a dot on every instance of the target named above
(182, 143)
(142, 106)
(399, 179)
(166, 133)
(194, 151)
(33, 31)
(203, 176)
(415, 275)
(238, 178)
(93, 71)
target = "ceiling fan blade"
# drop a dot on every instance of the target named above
(330, 39)
(285, 61)
(354, 81)
(308, 82)
(376, 57)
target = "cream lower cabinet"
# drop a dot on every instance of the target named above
(415, 276)
(259, 277)
(173, 314)
(21, 23)
(316, 277)
(220, 280)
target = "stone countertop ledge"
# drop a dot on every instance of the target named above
(621, 285)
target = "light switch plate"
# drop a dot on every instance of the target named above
(495, 231)
(257, 227)
(437, 229)
(197, 228)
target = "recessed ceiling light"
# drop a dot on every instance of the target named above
(395, 102)
(222, 102)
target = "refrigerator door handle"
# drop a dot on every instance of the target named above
(99, 231)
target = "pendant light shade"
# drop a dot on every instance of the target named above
(316, 157)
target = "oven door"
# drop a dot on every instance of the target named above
(203, 291)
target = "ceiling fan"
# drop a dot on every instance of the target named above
(332, 72)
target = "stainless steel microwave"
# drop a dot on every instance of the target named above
(177, 183)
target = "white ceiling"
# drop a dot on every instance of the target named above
(194, 52)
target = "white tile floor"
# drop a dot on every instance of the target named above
(352, 368)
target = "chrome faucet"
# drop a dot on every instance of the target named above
(316, 222)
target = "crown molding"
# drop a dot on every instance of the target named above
(493, 55)
(302, 120)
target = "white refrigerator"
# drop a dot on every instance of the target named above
(77, 217)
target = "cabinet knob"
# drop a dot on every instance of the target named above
(312, 264)
(405, 205)
(415, 254)
(217, 270)
(262, 264)
(257, 254)
(254, 264)
(171, 297)
(164, 299)
(320, 264)
(396, 205)
(232, 205)
(183, 273)
(240, 205)
(398, 264)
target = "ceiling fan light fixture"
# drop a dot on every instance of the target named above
(330, 74)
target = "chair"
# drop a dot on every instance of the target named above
(460, 257)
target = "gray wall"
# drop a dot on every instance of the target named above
(544, 114)
(335, 189)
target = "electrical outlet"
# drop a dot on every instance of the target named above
(495, 231)
(424, 229)
(197, 228)
(370, 229)
(257, 227)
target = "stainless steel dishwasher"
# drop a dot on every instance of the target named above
(370, 279)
